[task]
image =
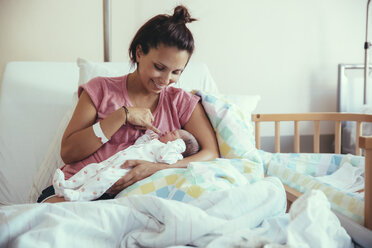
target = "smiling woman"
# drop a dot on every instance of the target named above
(101, 126)
(156, 70)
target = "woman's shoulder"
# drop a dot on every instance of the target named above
(179, 97)
(104, 83)
(179, 103)
(109, 81)
(102, 89)
(173, 92)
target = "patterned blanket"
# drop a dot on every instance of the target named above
(240, 163)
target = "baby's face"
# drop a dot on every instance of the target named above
(169, 136)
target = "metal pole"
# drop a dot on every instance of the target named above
(107, 30)
(366, 47)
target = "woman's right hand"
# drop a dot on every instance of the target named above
(142, 118)
(79, 140)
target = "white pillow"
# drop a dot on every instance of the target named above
(196, 76)
(89, 70)
(246, 103)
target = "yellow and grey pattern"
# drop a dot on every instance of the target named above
(235, 134)
(198, 178)
(293, 171)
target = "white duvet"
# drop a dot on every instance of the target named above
(247, 216)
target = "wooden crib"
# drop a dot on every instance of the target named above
(337, 118)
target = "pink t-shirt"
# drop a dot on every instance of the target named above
(109, 94)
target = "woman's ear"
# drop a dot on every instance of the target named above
(139, 52)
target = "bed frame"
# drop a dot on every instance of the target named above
(337, 118)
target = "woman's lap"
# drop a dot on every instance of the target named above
(49, 192)
(46, 193)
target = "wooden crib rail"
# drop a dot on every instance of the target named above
(361, 142)
(316, 118)
(366, 143)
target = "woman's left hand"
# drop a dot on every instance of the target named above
(140, 169)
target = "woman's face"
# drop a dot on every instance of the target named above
(161, 66)
(169, 136)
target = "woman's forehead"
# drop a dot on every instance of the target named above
(171, 57)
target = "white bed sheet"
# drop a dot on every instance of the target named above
(248, 216)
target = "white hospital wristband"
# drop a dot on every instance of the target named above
(99, 133)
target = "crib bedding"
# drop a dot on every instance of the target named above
(312, 164)
(300, 171)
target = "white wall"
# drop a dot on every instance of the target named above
(287, 51)
(50, 30)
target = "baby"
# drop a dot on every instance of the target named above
(94, 179)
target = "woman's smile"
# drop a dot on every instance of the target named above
(158, 86)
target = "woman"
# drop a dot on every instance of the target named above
(113, 112)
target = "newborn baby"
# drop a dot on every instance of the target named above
(94, 179)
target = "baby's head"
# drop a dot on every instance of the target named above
(192, 145)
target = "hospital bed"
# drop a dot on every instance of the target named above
(206, 204)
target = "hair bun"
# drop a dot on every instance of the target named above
(181, 15)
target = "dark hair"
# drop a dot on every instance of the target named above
(192, 145)
(164, 29)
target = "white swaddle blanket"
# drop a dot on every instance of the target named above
(93, 180)
(347, 178)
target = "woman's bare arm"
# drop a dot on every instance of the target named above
(79, 140)
(199, 126)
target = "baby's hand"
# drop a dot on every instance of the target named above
(152, 134)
